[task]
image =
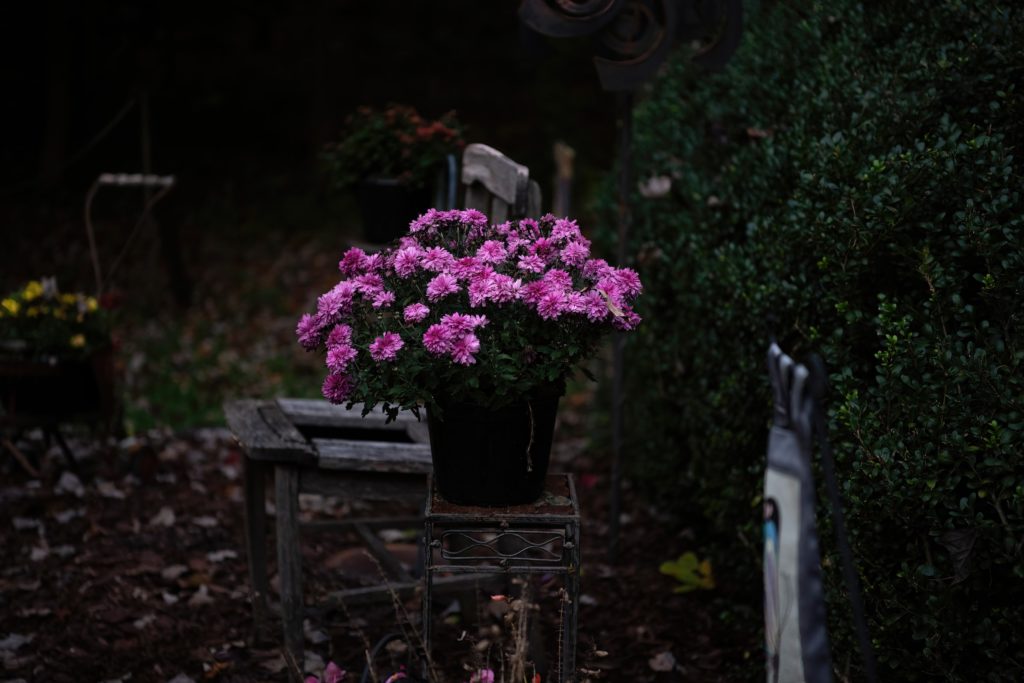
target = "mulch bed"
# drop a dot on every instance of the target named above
(134, 569)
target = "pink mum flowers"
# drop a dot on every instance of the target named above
(461, 309)
(386, 346)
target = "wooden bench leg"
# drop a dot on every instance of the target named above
(289, 565)
(256, 542)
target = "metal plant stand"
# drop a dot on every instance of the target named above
(542, 537)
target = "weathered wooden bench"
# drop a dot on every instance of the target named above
(311, 446)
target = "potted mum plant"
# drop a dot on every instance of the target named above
(480, 324)
(55, 354)
(390, 158)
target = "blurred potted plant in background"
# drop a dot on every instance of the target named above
(56, 355)
(480, 323)
(391, 159)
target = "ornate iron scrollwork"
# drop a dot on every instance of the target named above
(636, 36)
(525, 544)
(568, 18)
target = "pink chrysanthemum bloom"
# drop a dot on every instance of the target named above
(557, 277)
(574, 254)
(482, 676)
(480, 286)
(386, 346)
(627, 280)
(369, 284)
(441, 286)
(531, 264)
(528, 228)
(544, 248)
(334, 673)
(463, 349)
(595, 269)
(627, 321)
(503, 229)
(504, 288)
(473, 217)
(491, 251)
(467, 267)
(437, 339)
(436, 259)
(459, 324)
(414, 313)
(374, 263)
(340, 334)
(513, 243)
(610, 287)
(565, 229)
(337, 301)
(575, 302)
(337, 388)
(479, 291)
(308, 332)
(383, 299)
(339, 357)
(532, 292)
(551, 305)
(353, 262)
(424, 222)
(596, 306)
(407, 260)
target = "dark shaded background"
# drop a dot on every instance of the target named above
(242, 96)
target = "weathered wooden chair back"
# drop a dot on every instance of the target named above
(498, 186)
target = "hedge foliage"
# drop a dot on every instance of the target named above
(853, 182)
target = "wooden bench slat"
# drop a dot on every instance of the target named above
(364, 485)
(266, 434)
(373, 456)
(318, 413)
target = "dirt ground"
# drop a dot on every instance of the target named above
(133, 569)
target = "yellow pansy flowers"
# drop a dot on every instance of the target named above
(50, 321)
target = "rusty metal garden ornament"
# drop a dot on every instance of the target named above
(636, 36)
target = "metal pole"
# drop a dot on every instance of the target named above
(625, 106)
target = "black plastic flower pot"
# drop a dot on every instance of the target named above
(492, 457)
(388, 206)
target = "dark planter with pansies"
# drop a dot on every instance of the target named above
(56, 357)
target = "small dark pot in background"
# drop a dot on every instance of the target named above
(54, 389)
(388, 206)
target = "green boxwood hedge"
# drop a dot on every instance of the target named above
(851, 182)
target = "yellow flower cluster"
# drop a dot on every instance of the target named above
(10, 306)
(40, 316)
(33, 301)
